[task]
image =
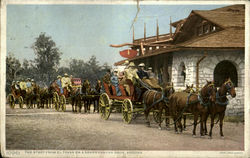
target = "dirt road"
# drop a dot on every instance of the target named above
(48, 129)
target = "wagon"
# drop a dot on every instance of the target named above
(130, 105)
(61, 99)
(16, 95)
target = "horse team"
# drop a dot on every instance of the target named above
(208, 101)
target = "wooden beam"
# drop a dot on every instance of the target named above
(197, 70)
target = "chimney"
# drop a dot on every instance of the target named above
(157, 30)
(170, 31)
(133, 34)
(144, 31)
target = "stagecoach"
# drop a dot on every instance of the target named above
(130, 105)
(61, 99)
(15, 95)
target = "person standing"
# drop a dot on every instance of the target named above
(115, 82)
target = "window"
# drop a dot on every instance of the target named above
(212, 28)
(199, 31)
(206, 29)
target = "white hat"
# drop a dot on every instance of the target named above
(131, 64)
(141, 65)
(150, 68)
(126, 62)
(115, 70)
(59, 76)
(66, 74)
(32, 80)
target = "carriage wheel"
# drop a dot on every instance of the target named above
(127, 111)
(20, 101)
(104, 106)
(11, 101)
(56, 101)
(63, 103)
(156, 116)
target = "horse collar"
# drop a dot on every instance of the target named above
(202, 101)
(219, 102)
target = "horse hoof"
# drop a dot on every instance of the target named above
(202, 136)
(159, 128)
(222, 137)
(194, 136)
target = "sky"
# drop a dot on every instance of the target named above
(81, 31)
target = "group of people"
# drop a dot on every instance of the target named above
(64, 82)
(131, 73)
(26, 85)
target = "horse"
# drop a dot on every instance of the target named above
(220, 105)
(32, 94)
(156, 100)
(189, 89)
(19, 94)
(75, 96)
(91, 96)
(86, 90)
(193, 103)
(96, 97)
(45, 97)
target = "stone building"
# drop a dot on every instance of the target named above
(215, 37)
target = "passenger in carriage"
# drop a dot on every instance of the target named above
(23, 85)
(66, 81)
(141, 72)
(122, 78)
(151, 80)
(151, 74)
(131, 73)
(59, 83)
(28, 83)
(115, 81)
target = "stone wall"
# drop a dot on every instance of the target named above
(206, 72)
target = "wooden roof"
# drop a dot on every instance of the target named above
(231, 19)
(223, 18)
(230, 38)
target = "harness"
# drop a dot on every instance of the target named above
(219, 102)
(163, 98)
(218, 95)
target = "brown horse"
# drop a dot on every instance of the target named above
(46, 98)
(86, 90)
(189, 89)
(220, 105)
(75, 99)
(153, 99)
(32, 94)
(196, 104)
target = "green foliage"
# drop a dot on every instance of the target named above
(13, 67)
(47, 57)
(45, 67)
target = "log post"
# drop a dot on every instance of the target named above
(197, 70)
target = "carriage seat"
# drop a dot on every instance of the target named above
(112, 93)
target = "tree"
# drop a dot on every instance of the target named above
(47, 57)
(13, 67)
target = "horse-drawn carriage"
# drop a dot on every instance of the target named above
(16, 95)
(131, 105)
(59, 96)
